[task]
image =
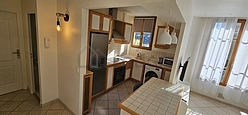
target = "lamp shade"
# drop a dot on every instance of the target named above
(174, 38)
(165, 37)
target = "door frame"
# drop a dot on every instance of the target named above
(31, 71)
(29, 51)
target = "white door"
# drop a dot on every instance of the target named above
(10, 67)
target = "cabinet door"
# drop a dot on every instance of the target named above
(167, 76)
(127, 74)
(95, 22)
(128, 32)
(106, 24)
(110, 77)
(137, 72)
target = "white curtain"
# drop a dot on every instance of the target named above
(217, 51)
(237, 86)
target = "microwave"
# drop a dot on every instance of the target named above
(165, 61)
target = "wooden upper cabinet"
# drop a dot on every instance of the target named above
(99, 22)
(124, 29)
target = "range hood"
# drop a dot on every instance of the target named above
(117, 26)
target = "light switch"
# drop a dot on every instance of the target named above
(46, 42)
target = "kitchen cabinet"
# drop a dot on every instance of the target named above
(129, 66)
(99, 22)
(87, 91)
(110, 75)
(166, 74)
(124, 30)
(138, 71)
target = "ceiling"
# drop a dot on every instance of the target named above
(159, 9)
(201, 8)
(220, 8)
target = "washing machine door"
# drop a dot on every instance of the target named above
(149, 75)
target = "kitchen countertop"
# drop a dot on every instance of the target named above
(156, 96)
(127, 58)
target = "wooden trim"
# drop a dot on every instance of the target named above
(115, 63)
(163, 74)
(98, 94)
(178, 106)
(153, 31)
(110, 30)
(88, 75)
(127, 109)
(145, 17)
(142, 34)
(106, 78)
(99, 31)
(162, 46)
(121, 41)
(233, 54)
(134, 79)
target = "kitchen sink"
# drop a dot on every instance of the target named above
(114, 59)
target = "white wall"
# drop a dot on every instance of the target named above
(28, 6)
(15, 7)
(48, 66)
(72, 40)
(185, 8)
(96, 4)
(194, 44)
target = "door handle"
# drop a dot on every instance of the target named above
(17, 53)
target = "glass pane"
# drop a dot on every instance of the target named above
(136, 40)
(146, 39)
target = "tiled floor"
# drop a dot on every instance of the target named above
(23, 103)
(107, 104)
(201, 105)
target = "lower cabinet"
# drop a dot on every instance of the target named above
(167, 75)
(110, 75)
(127, 74)
(137, 72)
(87, 91)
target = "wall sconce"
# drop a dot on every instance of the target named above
(65, 16)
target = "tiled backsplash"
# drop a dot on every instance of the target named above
(149, 54)
(115, 49)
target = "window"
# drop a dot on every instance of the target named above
(143, 32)
(233, 52)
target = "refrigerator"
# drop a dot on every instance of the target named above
(98, 60)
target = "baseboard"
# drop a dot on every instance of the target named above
(135, 80)
(58, 100)
(50, 102)
(69, 110)
(238, 105)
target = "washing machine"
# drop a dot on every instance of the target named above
(151, 71)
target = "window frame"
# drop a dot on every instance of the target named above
(233, 53)
(142, 33)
